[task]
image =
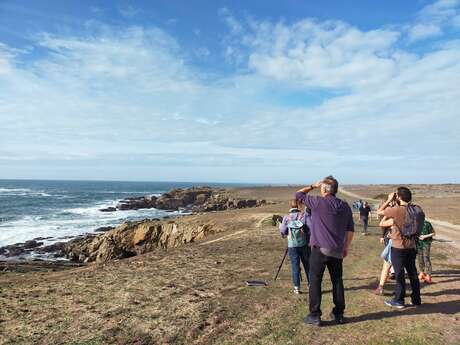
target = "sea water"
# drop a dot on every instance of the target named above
(60, 210)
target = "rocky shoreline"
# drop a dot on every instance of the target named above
(195, 199)
(133, 238)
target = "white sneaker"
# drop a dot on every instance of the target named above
(296, 290)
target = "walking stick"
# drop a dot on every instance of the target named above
(281, 264)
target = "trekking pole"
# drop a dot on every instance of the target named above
(281, 264)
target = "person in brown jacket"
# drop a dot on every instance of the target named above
(403, 251)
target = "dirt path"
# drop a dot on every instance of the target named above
(445, 231)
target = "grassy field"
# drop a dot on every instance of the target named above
(196, 295)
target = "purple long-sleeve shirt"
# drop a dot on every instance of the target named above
(331, 218)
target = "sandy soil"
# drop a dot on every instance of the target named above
(196, 294)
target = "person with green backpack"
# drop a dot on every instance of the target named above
(295, 227)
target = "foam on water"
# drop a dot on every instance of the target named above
(63, 209)
(70, 223)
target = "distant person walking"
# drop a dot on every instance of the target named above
(401, 217)
(295, 227)
(331, 233)
(423, 251)
(364, 211)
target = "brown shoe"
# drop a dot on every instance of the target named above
(378, 291)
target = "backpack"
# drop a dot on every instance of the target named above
(413, 224)
(296, 232)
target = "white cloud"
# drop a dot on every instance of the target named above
(433, 18)
(329, 54)
(128, 11)
(133, 98)
(422, 31)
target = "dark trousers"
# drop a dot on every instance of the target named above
(297, 255)
(318, 263)
(405, 259)
(365, 222)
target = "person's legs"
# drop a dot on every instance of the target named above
(317, 266)
(295, 269)
(365, 224)
(334, 266)
(397, 259)
(421, 264)
(304, 253)
(427, 258)
(409, 265)
(385, 273)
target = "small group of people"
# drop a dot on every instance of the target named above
(320, 230)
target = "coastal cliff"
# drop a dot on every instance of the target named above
(134, 238)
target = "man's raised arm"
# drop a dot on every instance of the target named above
(301, 195)
(381, 210)
(309, 188)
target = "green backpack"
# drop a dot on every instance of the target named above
(296, 233)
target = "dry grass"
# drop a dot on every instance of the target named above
(196, 295)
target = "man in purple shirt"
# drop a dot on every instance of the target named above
(331, 233)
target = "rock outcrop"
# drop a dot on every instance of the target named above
(195, 199)
(133, 238)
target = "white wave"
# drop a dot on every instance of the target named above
(70, 222)
(14, 190)
(22, 192)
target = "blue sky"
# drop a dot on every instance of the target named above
(230, 91)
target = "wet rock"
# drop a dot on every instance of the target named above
(136, 203)
(32, 244)
(104, 228)
(108, 209)
(12, 250)
(42, 238)
(52, 248)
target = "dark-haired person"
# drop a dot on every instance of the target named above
(403, 251)
(364, 211)
(331, 233)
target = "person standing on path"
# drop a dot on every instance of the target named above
(295, 227)
(423, 252)
(331, 233)
(364, 212)
(403, 252)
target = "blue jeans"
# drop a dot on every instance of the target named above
(298, 254)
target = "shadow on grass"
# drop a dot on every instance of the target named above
(455, 292)
(449, 308)
(446, 273)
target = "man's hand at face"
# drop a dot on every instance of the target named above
(317, 184)
(391, 196)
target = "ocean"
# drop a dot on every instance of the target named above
(65, 209)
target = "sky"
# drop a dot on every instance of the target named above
(230, 91)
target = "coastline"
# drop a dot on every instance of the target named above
(176, 202)
(195, 293)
